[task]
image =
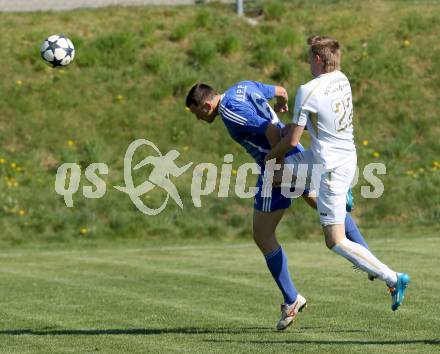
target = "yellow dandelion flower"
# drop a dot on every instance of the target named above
(9, 183)
(187, 109)
(61, 71)
(21, 212)
(365, 142)
(376, 154)
(186, 148)
(435, 164)
(2, 161)
(234, 172)
(410, 172)
(18, 82)
(406, 43)
(13, 165)
(83, 230)
(71, 142)
(19, 169)
(15, 184)
(119, 98)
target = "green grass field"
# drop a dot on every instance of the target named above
(212, 296)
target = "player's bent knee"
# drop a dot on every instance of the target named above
(334, 233)
(329, 243)
(258, 236)
(261, 238)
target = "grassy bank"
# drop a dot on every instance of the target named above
(129, 79)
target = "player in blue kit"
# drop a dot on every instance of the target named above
(253, 124)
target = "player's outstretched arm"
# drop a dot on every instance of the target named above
(286, 143)
(273, 135)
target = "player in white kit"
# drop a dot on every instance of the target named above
(324, 105)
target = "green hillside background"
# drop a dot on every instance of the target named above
(129, 80)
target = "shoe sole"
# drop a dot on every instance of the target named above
(290, 323)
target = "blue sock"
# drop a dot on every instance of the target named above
(352, 232)
(277, 264)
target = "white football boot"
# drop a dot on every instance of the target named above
(289, 312)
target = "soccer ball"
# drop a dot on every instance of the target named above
(57, 50)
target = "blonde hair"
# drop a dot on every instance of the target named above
(328, 50)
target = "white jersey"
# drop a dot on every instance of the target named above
(325, 106)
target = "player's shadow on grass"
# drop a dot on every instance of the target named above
(220, 330)
(133, 331)
(331, 342)
(154, 331)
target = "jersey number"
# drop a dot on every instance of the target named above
(344, 113)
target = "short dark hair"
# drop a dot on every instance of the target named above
(199, 94)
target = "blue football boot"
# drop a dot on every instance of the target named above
(398, 292)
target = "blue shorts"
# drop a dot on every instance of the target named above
(276, 200)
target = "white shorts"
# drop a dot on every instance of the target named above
(331, 186)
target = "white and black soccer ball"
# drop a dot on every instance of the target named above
(57, 50)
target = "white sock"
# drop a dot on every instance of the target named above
(363, 259)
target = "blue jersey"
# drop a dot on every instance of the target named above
(246, 113)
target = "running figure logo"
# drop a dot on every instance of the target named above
(163, 167)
